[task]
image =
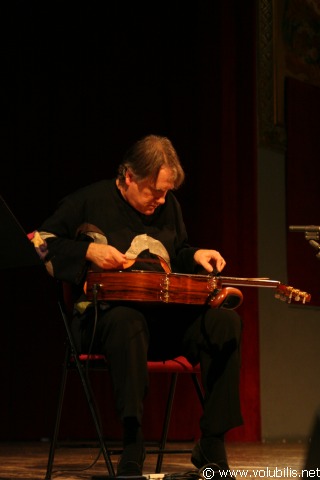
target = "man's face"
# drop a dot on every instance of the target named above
(146, 195)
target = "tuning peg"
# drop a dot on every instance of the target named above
(287, 293)
(297, 295)
(285, 298)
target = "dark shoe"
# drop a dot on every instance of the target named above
(213, 457)
(131, 460)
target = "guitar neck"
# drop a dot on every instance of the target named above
(249, 282)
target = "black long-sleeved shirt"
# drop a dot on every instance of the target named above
(99, 213)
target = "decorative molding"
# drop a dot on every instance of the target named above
(271, 131)
(288, 46)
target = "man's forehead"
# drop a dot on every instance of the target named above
(165, 179)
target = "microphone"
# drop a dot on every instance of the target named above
(304, 228)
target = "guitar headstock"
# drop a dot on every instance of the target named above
(289, 294)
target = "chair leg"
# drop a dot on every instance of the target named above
(166, 423)
(105, 453)
(54, 440)
(168, 412)
(72, 351)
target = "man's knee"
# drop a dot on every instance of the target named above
(126, 323)
(223, 323)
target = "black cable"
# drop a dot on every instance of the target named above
(95, 322)
(74, 470)
(95, 305)
(87, 365)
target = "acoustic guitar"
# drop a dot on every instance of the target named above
(163, 287)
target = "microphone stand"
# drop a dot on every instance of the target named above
(311, 234)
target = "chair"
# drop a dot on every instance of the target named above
(80, 363)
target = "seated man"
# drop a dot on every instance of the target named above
(135, 221)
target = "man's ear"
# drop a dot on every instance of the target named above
(128, 177)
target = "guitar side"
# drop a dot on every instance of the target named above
(142, 286)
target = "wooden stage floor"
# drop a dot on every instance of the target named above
(28, 461)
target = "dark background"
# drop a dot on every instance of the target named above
(82, 81)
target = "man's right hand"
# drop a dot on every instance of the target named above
(105, 256)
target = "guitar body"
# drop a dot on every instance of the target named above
(167, 287)
(161, 287)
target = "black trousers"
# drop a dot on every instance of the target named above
(129, 334)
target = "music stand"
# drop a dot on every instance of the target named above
(16, 250)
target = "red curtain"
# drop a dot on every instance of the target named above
(82, 85)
